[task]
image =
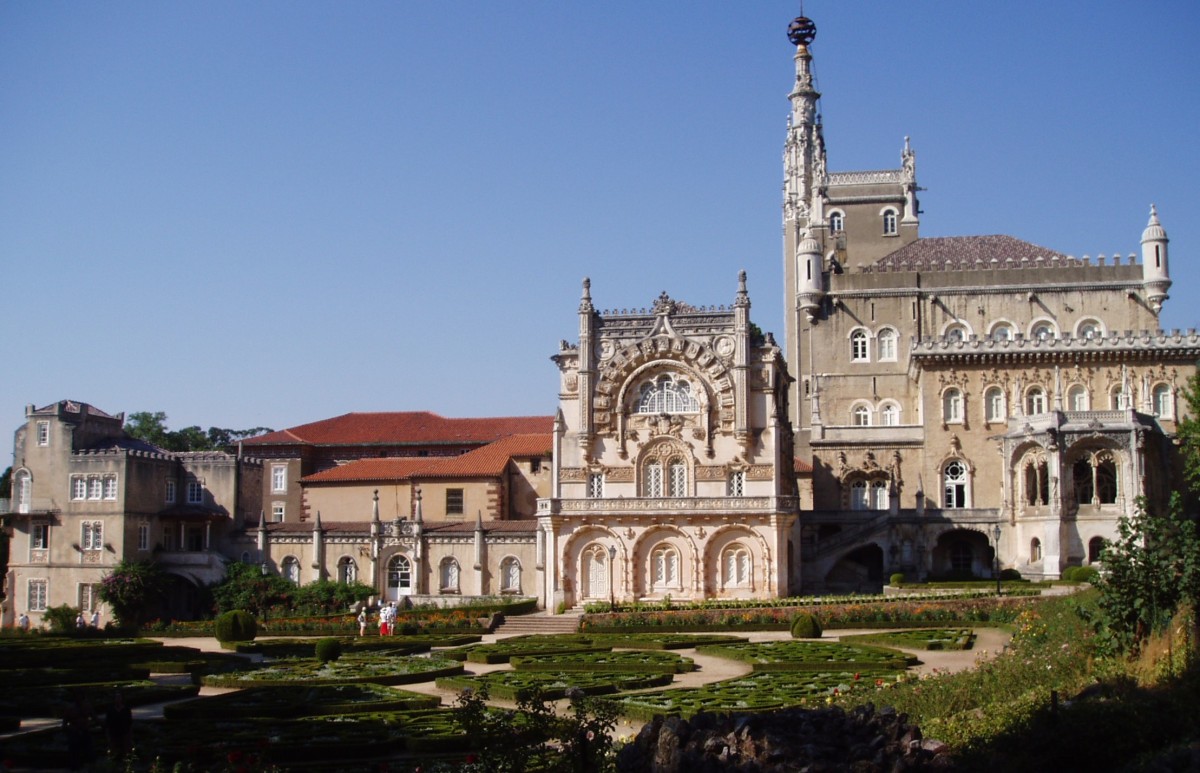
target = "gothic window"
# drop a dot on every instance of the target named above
(347, 570)
(678, 473)
(1089, 328)
(1077, 398)
(837, 222)
(1106, 481)
(1096, 480)
(886, 344)
(653, 482)
(859, 351)
(879, 495)
(993, 404)
(954, 485)
(952, 406)
(889, 223)
(1035, 550)
(667, 393)
(1037, 483)
(595, 570)
(510, 575)
(736, 566)
(399, 573)
(595, 489)
(1164, 407)
(889, 415)
(448, 575)
(1035, 401)
(861, 416)
(290, 568)
(1095, 549)
(664, 567)
(737, 484)
(858, 495)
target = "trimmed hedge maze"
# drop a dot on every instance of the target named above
(295, 701)
(377, 670)
(920, 639)
(804, 655)
(552, 685)
(628, 662)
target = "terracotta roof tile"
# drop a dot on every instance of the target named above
(965, 252)
(802, 466)
(390, 469)
(412, 427)
(489, 461)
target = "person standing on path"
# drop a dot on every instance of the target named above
(362, 622)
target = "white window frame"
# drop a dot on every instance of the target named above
(664, 567)
(43, 433)
(172, 492)
(677, 478)
(110, 488)
(860, 415)
(1037, 327)
(1078, 390)
(347, 570)
(86, 593)
(39, 536)
(653, 483)
(668, 393)
(1089, 328)
(278, 478)
(195, 492)
(860, 345)
(95, 488)
(886, 344)
(91, 535)
(736, 486)
(952, 406)
(143, 536)
(37, 594)
(891, 221)
(78, 488)
(1162, 401)
(837, 221)
(1002, 331)
(595, 485)
(278, 511)
(956, 331)
(889, 415)
(737, 566)
(23, 491)
(956, 490)
(1036, 401)
(994, 409)
(881, 495)
(860, 494)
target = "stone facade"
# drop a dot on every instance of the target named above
(944, 387)
(673, 467)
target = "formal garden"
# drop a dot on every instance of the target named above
(1102, 677)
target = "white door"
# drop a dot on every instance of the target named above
(399, 577)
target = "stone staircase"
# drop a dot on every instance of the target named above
(539, 622)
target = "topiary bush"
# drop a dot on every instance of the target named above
(328, 649)
(237, 625)
(806, 626)
(1010, 575)
(896, 579)
(1081, 574)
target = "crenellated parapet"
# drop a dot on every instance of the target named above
(1129, 345)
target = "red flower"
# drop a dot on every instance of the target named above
(472, 759)
(234, 757)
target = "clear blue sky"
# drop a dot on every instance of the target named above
(269, 213)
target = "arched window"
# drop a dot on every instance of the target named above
(889, 415)
(1117, 400)
(1095, 549)
(347, 570)
(667, 393)
(652, 484)
(1089, 328)
(1037, 483)
(885, 342)
(1035, 550)
(858, 495)
(399, 575)
(290, 569)
(664, 567)
(510, 575)
(889, 222)
(1002, 332)
(861, 416)
(736, 567)
(1077, 398)
(1035, 401)
(1163, 405)
(956, 333)
(23, 491)
(954, 485)
(1096, 481)
(993, 404)
(1042, 331)
(448, 575)
(837, 222)
(879, 495)
(678, 472)
(595, 570)
(859, 351)
(952, 406)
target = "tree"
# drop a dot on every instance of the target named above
(246, 587)
(131, 588)
(1188, 432)
(1152, 568)
(152, 428)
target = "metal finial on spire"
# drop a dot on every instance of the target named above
(801, 31)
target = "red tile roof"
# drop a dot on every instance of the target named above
(488, 461)
(965, 252)
(396, 428)
(802, 466)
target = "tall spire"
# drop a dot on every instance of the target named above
(804, 150)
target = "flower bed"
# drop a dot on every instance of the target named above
(921, 639)
(948, 591)
(536, 644)
(624, 662)
(377, 670)
(552, 685)
(293, 701)
(806, 655)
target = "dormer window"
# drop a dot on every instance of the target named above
(667, 394)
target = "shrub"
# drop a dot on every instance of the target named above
(806, 626)
(1010, 575)
(1084, 574)
(61, 619)
(236, 625)
(328, 649)
(896, 579)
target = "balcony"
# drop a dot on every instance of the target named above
(667, 505)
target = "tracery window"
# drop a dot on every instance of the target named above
(664, 567)
(880, 495)
(737, 484)
(858, 495)
(667, 393)
(1037, 482)
(859, 348)
(1096, 480)
(736, 566)
(954, 484)
(399, 573)
(861, 416)
(653, 481)
(595, 488)
(890, 415)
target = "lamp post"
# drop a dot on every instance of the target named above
(996, 555)
(612, 591)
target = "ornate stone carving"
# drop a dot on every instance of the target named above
(711, 472)
(620, 474)
(572, 474)
(760, 472)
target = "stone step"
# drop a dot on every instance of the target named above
(539, 623)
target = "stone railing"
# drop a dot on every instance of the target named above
(867, 178)
(658, 505)
(1157, 339)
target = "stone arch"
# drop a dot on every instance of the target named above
(1030, 467)
(963, 550)
(640, 572)
(572, 569)
(730, 534)
(859, 568)
(1098, 472)
(664, 451)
